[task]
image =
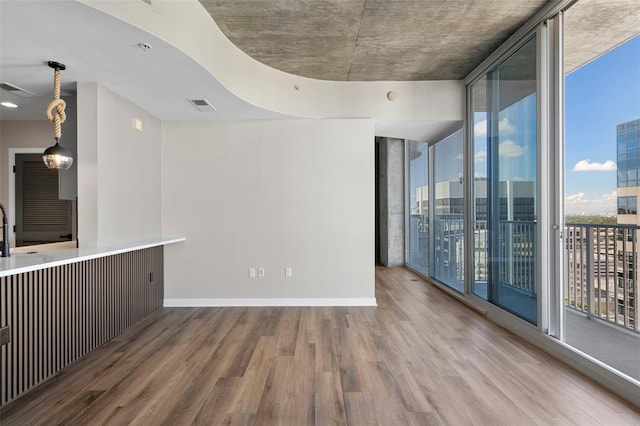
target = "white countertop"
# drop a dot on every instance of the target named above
(33, 258)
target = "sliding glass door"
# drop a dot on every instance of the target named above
(435, 219)
(505, 183)
(449, 211)
(418, 212)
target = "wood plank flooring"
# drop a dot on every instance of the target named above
(419, 358)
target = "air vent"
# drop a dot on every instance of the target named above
(202, 105)
(18, 91)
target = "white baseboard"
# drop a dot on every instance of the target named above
(197, 303)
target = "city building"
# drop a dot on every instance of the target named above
(624, 297)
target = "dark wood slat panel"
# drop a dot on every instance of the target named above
(57, 315)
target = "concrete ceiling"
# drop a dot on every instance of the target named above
(400, 40)
(371, 40)
(593, 27)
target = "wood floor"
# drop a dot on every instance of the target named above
(419, 358)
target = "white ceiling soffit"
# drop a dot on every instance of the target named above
(193, 60)
(97, 47)
(424, 131)
(278, 91)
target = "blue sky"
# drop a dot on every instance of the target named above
(598, 96)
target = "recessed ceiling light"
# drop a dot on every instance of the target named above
(9, 104)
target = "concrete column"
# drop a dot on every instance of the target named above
(391, 199)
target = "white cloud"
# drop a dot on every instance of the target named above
(574, 198)
(580, 204)
(509, 148)
(480, 129)
(505, 127)
(587, 166)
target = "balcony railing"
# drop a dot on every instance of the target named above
(601, 262)
(516, 248)
(601, 272)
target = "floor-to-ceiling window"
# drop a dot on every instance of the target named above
(448, 235)
(505, 142)
(417, 228)
(480, 242)
(435, 214)
(602, 227)
(513, 239)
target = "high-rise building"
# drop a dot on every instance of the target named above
(628, 148)
(628, 240)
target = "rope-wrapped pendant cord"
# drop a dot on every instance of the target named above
(55, 110)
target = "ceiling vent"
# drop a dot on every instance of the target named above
(202, 105)
(15, 90)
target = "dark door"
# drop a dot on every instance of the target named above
(40, 216)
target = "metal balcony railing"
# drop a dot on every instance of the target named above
(601, 272)
(601, 261)
(515, 255)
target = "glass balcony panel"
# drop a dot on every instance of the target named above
(504, 140)
(480, 202)
(418, 195)
(449, 215)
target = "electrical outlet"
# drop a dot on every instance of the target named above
(261, 272)
(252, 272)
(288, 272)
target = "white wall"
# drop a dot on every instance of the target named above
(119, 170)
(274, 194)
(69, 139)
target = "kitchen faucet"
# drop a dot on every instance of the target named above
(5, 233)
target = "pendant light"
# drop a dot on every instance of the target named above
(57, 156)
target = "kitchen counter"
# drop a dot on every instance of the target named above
(33, 258)
(59, 303)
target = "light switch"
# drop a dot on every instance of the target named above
(288, 272)
(252, 272)
(137, 124)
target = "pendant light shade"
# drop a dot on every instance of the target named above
(57, 157)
